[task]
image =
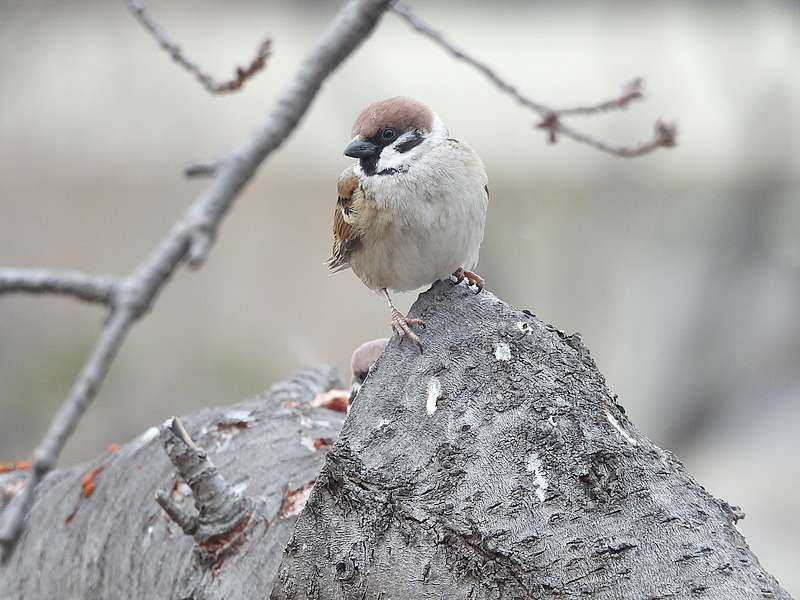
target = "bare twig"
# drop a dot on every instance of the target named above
(634, 90)
(184, 520)
(664, 137)
(201, 169)
(241, 75)
(192, 236)
(83, 286)
(176, 425)
(222, 513)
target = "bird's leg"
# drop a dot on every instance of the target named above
(402, 324)
(472, 278)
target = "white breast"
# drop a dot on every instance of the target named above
(426, 223)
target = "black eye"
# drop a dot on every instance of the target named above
(388, 134)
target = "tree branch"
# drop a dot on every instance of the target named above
(665, 134)
(118, 544)
(192, 236)
(242, 74)
(83, 286)
(63, 424)
(222, 513)
(631, 92)
(663, 137)
(497, 464)
(183, 519)
(201, 169)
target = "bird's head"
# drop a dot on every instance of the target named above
(390, 135)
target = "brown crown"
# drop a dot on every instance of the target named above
(398, 113)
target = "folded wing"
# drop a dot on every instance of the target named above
(345, 221)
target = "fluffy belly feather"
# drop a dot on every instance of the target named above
(406, 254)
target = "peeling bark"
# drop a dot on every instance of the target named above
(496, 464)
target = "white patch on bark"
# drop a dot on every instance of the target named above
(147, 537)
(244, 416)
(524, 327)
(434, 393)
(308, 442)
(539, 481)
(561, 403)
(502, 351)
(618, 427)
(383, 422)
(239, 488)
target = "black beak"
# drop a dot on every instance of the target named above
(361, 149)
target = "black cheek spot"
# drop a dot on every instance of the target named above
(415, 141)
(369, 165)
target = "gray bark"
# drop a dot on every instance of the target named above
(496, 464)
(118, 544)
(527, 481)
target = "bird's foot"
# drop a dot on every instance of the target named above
(402, 327)
(461, 274)
(474, 279)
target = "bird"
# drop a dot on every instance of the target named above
(361, 362)
(412, 207)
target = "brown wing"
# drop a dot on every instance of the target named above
(345, 234)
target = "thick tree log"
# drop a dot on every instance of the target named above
(496, 464)
(96, 531)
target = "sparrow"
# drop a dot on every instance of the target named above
(412, 208)
(361, 362)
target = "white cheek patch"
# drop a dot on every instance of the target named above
(392, 159)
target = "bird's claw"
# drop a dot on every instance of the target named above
(461, 274)
(402, 327)
(474, 279)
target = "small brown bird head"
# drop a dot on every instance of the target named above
(364, 357)
(361, 362)
(391, 134)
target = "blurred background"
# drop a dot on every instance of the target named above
(680, 269)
